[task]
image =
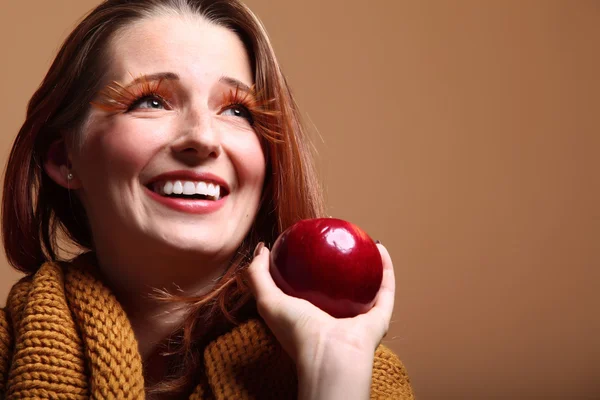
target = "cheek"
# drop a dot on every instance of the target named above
(121, 146)
(249, 161)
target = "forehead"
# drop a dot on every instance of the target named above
(189, 46)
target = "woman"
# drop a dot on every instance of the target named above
(164, 142)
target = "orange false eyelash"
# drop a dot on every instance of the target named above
(264, 121)
(117, 98)
(240, 97)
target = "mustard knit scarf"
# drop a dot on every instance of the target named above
(63, 335)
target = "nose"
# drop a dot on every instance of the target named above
(197, 140)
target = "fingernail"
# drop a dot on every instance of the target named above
(259, 248)
(377, 242)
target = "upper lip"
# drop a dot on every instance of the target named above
(185, 175)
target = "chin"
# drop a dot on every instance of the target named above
(196, 244)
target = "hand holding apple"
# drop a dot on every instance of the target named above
(333, 356)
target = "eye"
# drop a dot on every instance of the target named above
(148, 102)
(237, 110)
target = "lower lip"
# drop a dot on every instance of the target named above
(188, 206)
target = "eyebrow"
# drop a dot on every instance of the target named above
(235, 83)
(171, 76)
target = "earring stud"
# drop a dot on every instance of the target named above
(69, 176)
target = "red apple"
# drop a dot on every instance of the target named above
(330, 262)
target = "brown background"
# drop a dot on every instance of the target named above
(463, 135)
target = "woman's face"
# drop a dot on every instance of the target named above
(169, 161)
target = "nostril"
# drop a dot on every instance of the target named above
(193, 151)
(203, 153)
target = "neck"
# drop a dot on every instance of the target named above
(137, 281)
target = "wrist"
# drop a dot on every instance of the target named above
(335, 374)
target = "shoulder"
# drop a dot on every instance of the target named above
(43, 279)
(12, 310)
(5, 348)
(390, 379)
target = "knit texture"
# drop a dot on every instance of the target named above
(63, 335)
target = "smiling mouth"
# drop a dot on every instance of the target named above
(190, 190)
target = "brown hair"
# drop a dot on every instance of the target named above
(35, 210)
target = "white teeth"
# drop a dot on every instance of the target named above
(202, 188)
(168, 188)
(189, 188)
(177, 188)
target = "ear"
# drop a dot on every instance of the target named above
(58, 166)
